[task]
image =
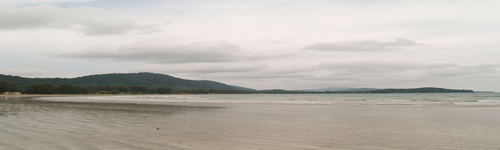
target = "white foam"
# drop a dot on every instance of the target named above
(320, 99)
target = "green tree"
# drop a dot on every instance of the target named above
(38, 88)
(4, 86)
(138, 88)
(8, 87)
(13, 88)
(123, 88)
(84, 90)
(115, 91)
(160, 90)
(66, 88)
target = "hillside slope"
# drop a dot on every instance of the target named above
(144, 78)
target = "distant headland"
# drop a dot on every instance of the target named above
(153, 83)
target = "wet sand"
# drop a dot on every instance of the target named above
(33, 124)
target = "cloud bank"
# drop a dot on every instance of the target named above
(363, 46)
(89, 21)
(161, 51)
(380, 66)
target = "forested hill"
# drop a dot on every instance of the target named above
(115, 79)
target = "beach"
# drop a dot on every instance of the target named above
(81, 123)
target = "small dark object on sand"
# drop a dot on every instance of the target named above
(157, 128)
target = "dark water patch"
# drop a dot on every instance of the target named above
(11, 107)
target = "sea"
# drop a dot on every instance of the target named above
(252, 121)
(417, 99)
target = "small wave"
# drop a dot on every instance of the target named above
(300, 99)
(482, 101)
(202, 100)
(390, 100)
(175, 96)
(477, 104)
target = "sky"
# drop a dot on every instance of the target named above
(259, 44)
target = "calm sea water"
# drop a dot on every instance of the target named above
(267, 121)
(431, 99)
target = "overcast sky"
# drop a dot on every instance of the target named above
(260, 44)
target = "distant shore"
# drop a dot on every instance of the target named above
(63, 95)
(75, 95)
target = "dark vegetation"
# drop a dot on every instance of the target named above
(124, 79)
(65, 88)
(150, 83)
(8, 87)
(411, 90)
(421, 90)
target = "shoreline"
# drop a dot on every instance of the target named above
(384, 100)
(78, 95)
(62, 95)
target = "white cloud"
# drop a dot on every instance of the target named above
(363, 46)
(90, 21)
(40, 1)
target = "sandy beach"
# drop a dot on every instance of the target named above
(27, 123)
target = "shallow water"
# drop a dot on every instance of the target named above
(430, 99)
(350, 121)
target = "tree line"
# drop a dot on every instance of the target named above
(421, 90)
(8, 87)
(118, 79)
(66, 88)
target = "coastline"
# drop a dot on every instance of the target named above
(70, 95)
(79, 95)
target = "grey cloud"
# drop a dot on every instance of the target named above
(205, 68)
(89, 21)
(159, 51)
(363, 74)
(39, 68)
(296, 72)
(363, 46)
(232, 70)
(115, 27)
(390, 74)
(37, 72)
(238, 70)
(260, 75)
(465, 70)
(379, 66)
(35, 65)
(105, 70)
